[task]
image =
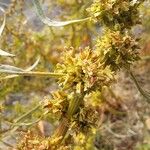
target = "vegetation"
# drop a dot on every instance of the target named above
(74, 73)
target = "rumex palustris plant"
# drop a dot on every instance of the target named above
(85, 74)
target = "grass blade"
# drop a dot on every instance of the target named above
(51, 22)
(34, 65)
(9, 69)
(3, 53)
(3, 24)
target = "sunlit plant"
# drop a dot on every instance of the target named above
(84, 75)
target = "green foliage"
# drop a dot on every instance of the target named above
(83, 71)
(116, 14)
(117, 49)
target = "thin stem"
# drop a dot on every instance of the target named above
(143, 93)
(14, 127)
(28, 123)
(27, 113)
(30, 73)
(63, 127)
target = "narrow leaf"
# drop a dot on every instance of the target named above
(4, 22)
(34, 65)
(3, 53)
(28, 69)
(15, 71)
(51, 22)
(9, 69)
(27, 114)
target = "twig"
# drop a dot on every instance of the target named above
(27, 114)
(143, 93)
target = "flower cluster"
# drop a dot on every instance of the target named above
(117, 49)
(116, 13)
(84, 120)
(33, 141)
(83, 71)
(57, 104)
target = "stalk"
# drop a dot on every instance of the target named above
(31, 73)
(63, 127)
(74, 104)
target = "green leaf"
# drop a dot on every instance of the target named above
(51, 22)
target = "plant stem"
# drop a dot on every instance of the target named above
(63, 127)
(31, 73)
(143, 93)
(74, 104)
(27, 113)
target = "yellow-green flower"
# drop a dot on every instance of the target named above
(117, 49)
(115, 13)
(57, 104)
(83, 71)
